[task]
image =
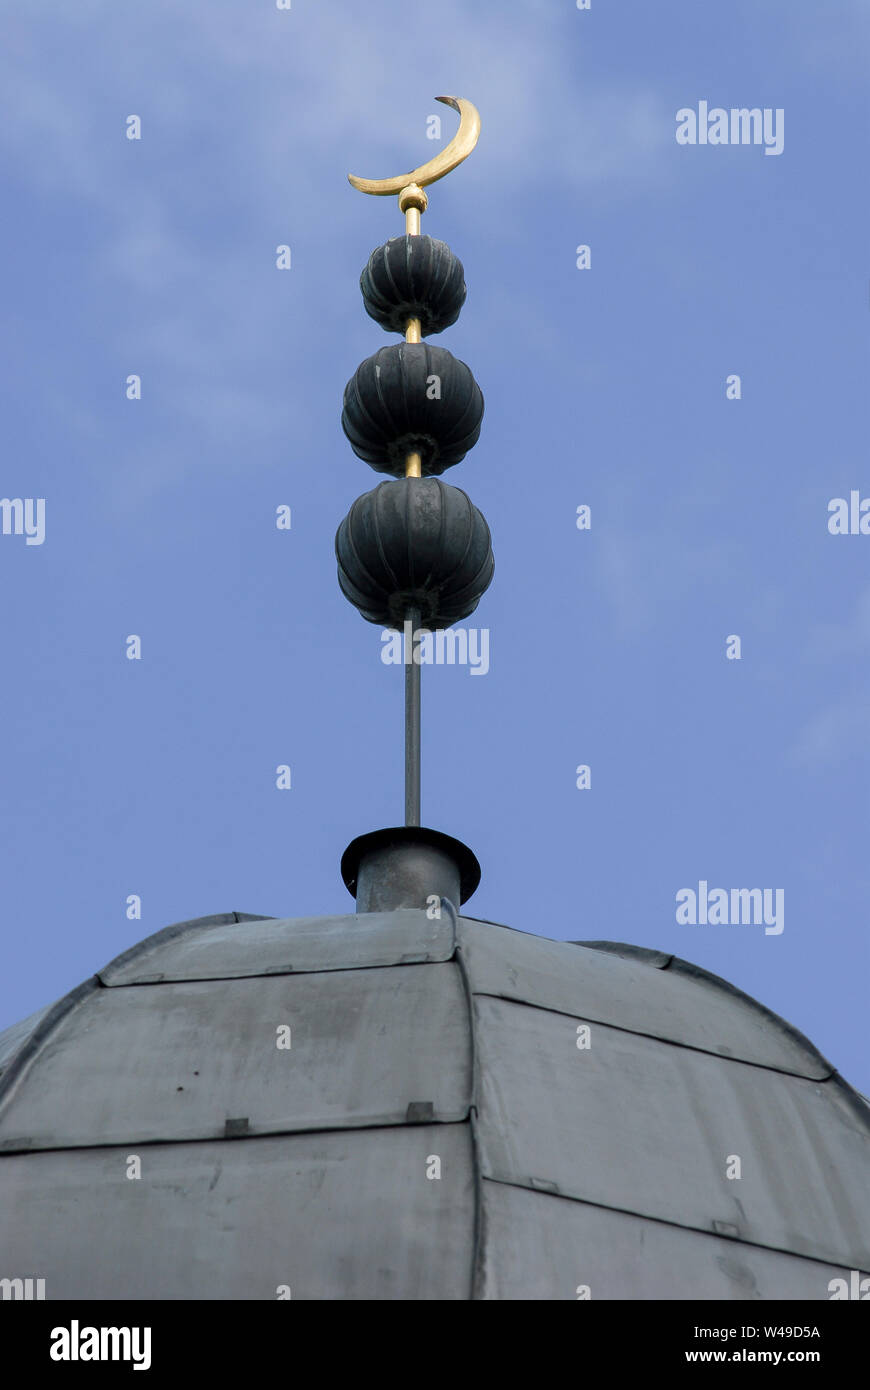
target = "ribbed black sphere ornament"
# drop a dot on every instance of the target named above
(413, 277)
(412, 397)
(414, 543)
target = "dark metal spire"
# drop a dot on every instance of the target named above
(414, 554)
(412, 724)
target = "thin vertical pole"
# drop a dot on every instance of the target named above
(413, 201)
(412, 722)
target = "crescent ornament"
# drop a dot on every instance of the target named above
(459, 148)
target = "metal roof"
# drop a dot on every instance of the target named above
(341, 1214)
(415, 1040)
(199, 1053)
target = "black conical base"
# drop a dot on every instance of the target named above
(407, 866)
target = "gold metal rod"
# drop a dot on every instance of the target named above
(413, 202)
(413, 466)
(413, 332)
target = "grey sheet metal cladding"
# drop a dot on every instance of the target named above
(702, 1012)
(347, 1215)
(14, 1038)
(138, 1065)
(543, 1247)
(637, 1116)
(412, 1040)
(212, 949)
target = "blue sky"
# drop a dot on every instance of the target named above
(604, 387)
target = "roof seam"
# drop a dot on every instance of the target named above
(685, 969)
(479, 1230)
(272, 974)
(177, 929)
(30, 1048)
(461, 1119)
(654, 1037)
(675, 1225)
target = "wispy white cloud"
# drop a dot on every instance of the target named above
(251, 116)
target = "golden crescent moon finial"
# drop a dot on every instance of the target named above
(459, 148)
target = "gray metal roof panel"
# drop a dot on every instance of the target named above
(658, 959)
(13, 1039)
(177, 1061)
(30, 1043)
(539, 1246)
(225, 948)
(680, 1003)
(641, 1125)
(342, 1215)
